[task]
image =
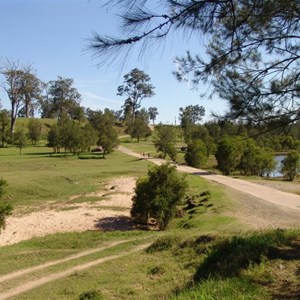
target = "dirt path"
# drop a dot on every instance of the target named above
(58, 261)
(58, 275)
(262, 192)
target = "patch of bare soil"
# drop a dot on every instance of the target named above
(75, 217)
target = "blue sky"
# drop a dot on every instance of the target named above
(53, 35)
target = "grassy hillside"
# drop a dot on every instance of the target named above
(45, 124)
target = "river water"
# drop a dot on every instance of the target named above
(276, 172)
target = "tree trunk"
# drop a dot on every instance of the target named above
(13, 116)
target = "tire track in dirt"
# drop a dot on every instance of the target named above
(58, 275)
(58, 261)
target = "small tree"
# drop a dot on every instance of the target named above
(5, 207)
(20, 139)
(4, 126)
(138, 129)
(256, 160)
(266, 162)
(290, 165)
(228, 155)
(165, 140)
(157, 195)
(89, 137)
(54, 139)
(197, 131)
(196, 154)
(34, 131)
(107, 133)
(153, 112)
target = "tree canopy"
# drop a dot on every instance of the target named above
(252, 49)
(190, 115)
(23, 89)
(136, 87)
(62, 97)
(164, 139)
(153, 112)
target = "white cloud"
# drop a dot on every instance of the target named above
(93, 96)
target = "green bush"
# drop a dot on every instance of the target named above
(157, 195)
(290, 165)
(196, 154)
(228, 155)
(5, 207)
(256, 160)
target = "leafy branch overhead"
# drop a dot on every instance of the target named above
(253, 52)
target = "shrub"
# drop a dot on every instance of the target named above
(5, 207)
(164, 140)
(196, 154)
(256, 160)
(290, 165)
(228, 155)
(157, 195)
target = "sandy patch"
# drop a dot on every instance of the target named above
(72, 217)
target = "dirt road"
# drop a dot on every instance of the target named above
(271, 195)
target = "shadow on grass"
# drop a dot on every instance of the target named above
(229, 257)
(121, 223)
(204, 173)
(137, 159)
(38, 153)
(66, 155)
(90, 157)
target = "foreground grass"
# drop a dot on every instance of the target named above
(262, 265)
(56, 246)
(248, 266)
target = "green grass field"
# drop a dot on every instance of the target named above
(203, 254)
(36, 176)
